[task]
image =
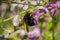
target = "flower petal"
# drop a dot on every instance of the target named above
(30, 35)
(33, 2)
(53, 11)
(16, 20)
(25, 7)
(42, 10)
(36, 14)
(52, 2)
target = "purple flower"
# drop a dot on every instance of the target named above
(53, 11)
(42, 10)
(51, 6)
(52, 2)
(31, 35)
(35, 33)
(35, 21)
(36, 14)
(58, 4)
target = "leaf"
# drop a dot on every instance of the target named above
(49, 26)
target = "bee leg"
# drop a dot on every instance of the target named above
(27, 28)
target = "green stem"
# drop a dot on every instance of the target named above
(53, 33)
(41, 27)
(6, 20)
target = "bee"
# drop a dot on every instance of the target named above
(29, 20)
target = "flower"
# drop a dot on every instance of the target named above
(53, 11)
(51, 6)
(33, 2)
(20, 5)
(52, 2)
(31, 35)
(36, 14)
(35, 21)
(16, 21)
(25, 7)
(35, 33)
(42, 9)
(58, 4)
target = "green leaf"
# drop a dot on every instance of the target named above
(49, 26)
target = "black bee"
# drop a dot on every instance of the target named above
(29, 20)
